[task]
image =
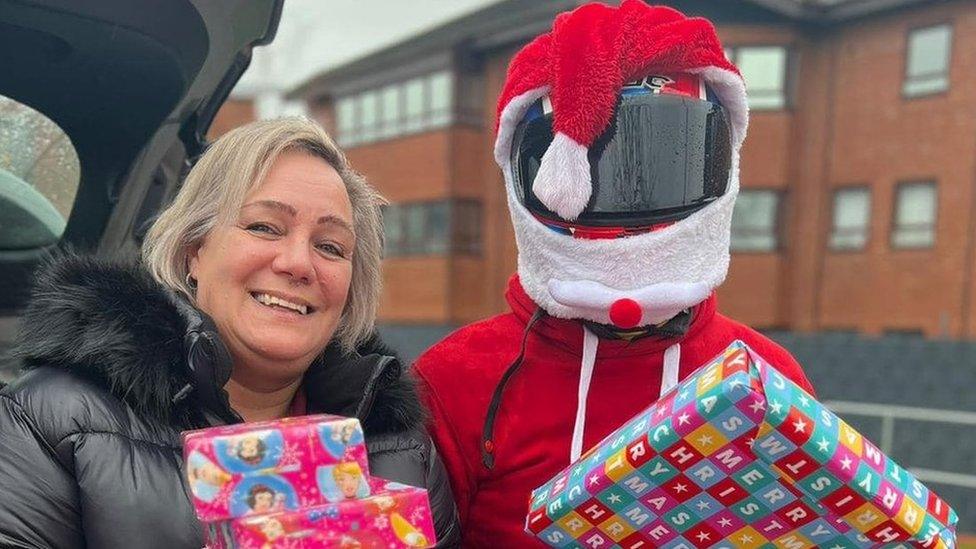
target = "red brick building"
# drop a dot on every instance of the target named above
(858, 202)
(233, 113)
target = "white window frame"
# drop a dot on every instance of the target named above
(926, 82)
(838, 233)
(403, 123)
(781, 96)
(901, 231)
(759, 229)
(433, 240)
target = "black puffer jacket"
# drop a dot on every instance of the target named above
(116, 368)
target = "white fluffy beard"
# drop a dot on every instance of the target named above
(665, 271)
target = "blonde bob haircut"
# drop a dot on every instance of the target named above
(214, 192)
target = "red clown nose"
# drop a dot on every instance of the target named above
(625, 313)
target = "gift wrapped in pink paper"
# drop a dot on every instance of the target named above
(395, 516)
(273, 466)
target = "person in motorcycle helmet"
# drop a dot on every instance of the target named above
(618, 136)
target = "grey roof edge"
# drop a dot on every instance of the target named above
(789, 8)
(853, 10)
(511, 21)
(819, 11)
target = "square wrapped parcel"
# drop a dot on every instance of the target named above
(738, 456)
(287, 464)
(394, 516)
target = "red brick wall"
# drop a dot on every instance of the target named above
(407, 169)
(415, 290)
(850, 125)
(881, 139)
(500, 252)
(755, 289)
(428, 166)
(233, 113)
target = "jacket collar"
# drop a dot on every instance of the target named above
(111, 322)
(568, 333)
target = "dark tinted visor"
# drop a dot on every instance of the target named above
(662, 158)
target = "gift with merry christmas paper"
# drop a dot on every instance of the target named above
(737, 455)
(395, 516)
(272, 466)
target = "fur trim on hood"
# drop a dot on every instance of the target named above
(112, 323)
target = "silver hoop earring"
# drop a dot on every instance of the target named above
(190, 282)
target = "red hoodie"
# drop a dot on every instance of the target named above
(534, 423)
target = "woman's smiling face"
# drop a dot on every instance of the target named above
(275, 280)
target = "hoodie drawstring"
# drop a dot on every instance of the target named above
(590, 344)
(672, 359)
(669, 378)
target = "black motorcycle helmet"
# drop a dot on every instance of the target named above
(666, 153)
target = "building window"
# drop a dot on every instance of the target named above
(368, 116)
(764, 70)
(927, 66)
(418, 104)
(915, 209)
(432, 228)
(440, 98)
(466, 227)
(754, 221)
(346, 120)
(414, 92)
(437, 225)
(390, 101)
(852, 214)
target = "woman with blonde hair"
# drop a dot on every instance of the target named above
(255, 300)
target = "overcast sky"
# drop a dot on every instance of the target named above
(317, 34)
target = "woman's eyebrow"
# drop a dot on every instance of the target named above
(290, 210)
(274, 205)
(336, 220)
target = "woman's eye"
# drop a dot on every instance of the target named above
(262, 228)
(332, 249)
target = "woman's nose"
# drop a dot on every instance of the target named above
(294, 259)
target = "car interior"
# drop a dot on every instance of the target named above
(103, 105)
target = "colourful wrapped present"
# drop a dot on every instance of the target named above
(287, 464)
(394, 516)
(738, 456)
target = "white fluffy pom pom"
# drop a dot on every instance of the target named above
(563, 181)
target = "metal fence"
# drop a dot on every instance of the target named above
(915, 398)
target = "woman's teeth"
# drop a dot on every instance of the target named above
(271, 300)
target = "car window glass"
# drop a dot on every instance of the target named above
(39, 176)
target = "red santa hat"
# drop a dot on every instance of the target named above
(582, 65)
